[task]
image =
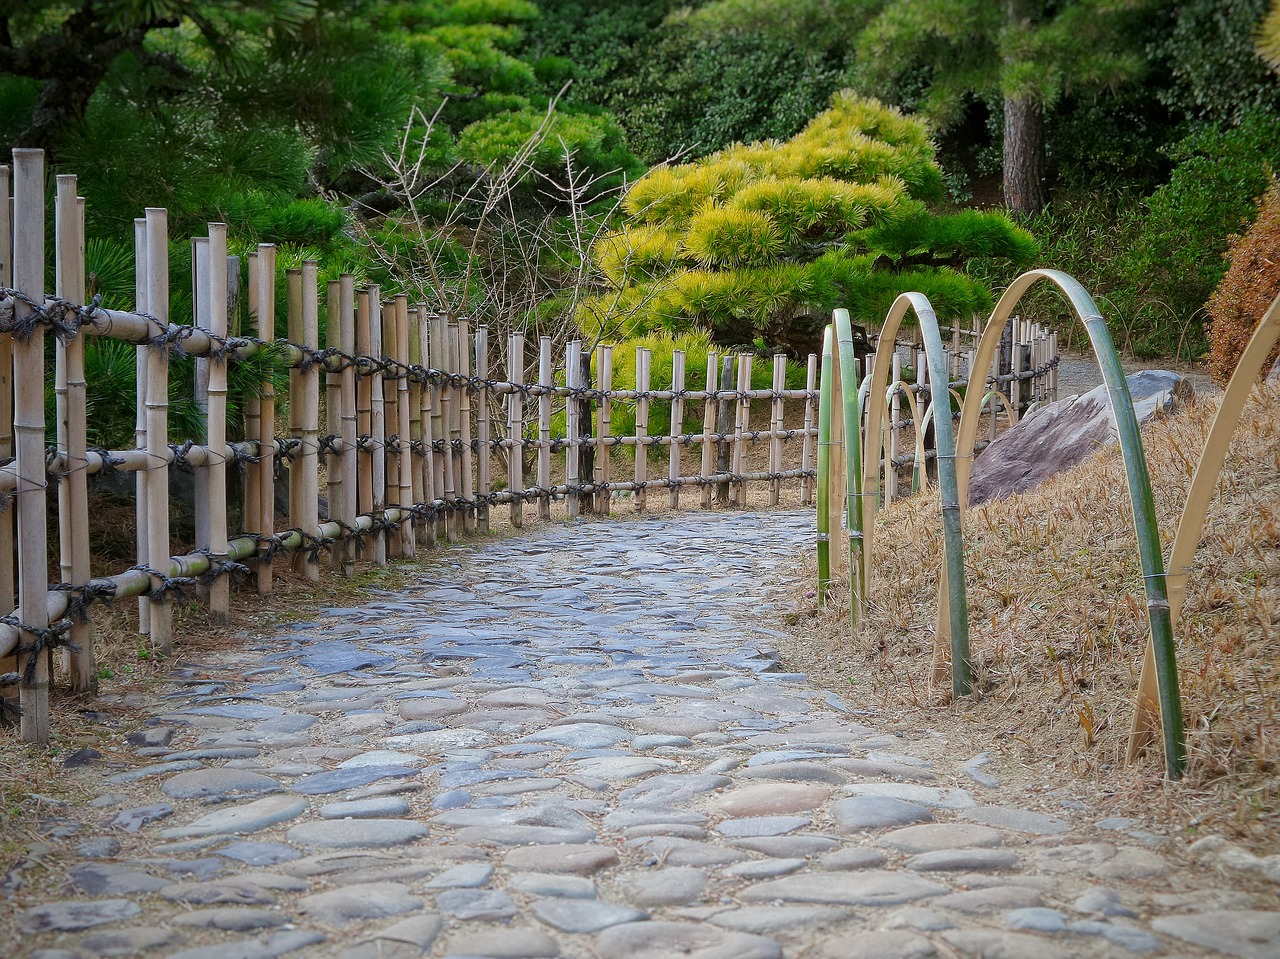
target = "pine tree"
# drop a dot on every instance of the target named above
(1029, 53)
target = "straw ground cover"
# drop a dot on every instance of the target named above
(1058, 625)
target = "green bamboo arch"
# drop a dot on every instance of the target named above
(862, 479)
(1191, 524)
(1148, 534)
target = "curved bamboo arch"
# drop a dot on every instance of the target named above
(1126, 423)
(1194, 513)
(847, 360)
(1010, 414)
(953, 604)
(914, 406)
(824, 468)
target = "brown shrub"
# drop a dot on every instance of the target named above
(1247, 290)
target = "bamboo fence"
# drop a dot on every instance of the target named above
(415, 411)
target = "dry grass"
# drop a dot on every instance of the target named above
(1058, 626)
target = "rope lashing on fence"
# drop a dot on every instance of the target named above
(54, 312)
(45, 639)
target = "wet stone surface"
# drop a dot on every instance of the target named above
(580, 743)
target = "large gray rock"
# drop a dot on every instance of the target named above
(1062, 435)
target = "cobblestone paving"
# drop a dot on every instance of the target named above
(579, 743)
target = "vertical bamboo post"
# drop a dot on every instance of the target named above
(806, 441)
(546, 385)
(293, 331)
(141, 286)
(444, 355)
(431, 490)
(724, 410)
(73, 488)
(895, 431)
(420, 462)
(440, 446)
(572, 375)
(8, 594)
(308, 460)
(775, 441)
(333, 409)
(200, 319)
(483, 479)
(349, 503)
(378, 427)
(742, 424)
(8, 556)
(266, 465)
(391, 427)
(515, 427)
(467, 459)
(364, 406)
(158, 428)
(216, 310)
(28, 429)
(1015, 367)
(709, 408)
(676, 430)
(1053, 370)
(583, 438)
(252, 422)
(643, 368)
(604, 370)
(408, 542)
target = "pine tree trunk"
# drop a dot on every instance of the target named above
(1024, 190)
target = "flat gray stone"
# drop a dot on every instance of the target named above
(944, 835)
(670, 886)
(963, 860)
(1022, 820)
(338, 780)
(243, 819)
(881, 944)
(1135, 940)
(671, 789)
(76, 914)
(619, 768)
(512, 943)
(580, 736)
(406, 939)
(222, 781)
(991, 899)
(378, 807)
(259, 853)
(1037, 919)
(1246, 933)
(863, 813)
(476, 904)
(111, 879)
(991, 944)
(468, 875)
(111, 943)
(236, 891)
(662, 940)
(584, 915)
(581, 859)
(757, 826)
(674, 851)
(790, 847)
(277, 944)
(356, 833)
(771, 920)
(875, 887)
(230, 918)
(932, 796)
(372, 900)
(772, 799)
(132, 820)
(1103, 902)
(764, 868)
(546, 884)
(856, 857)
(1130, 863)
(799, 771)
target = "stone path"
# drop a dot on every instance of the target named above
(580, 744)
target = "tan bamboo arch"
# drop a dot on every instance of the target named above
(1203, 485)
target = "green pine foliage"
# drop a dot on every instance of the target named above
(757, 243)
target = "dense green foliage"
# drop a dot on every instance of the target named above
(759, 242)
